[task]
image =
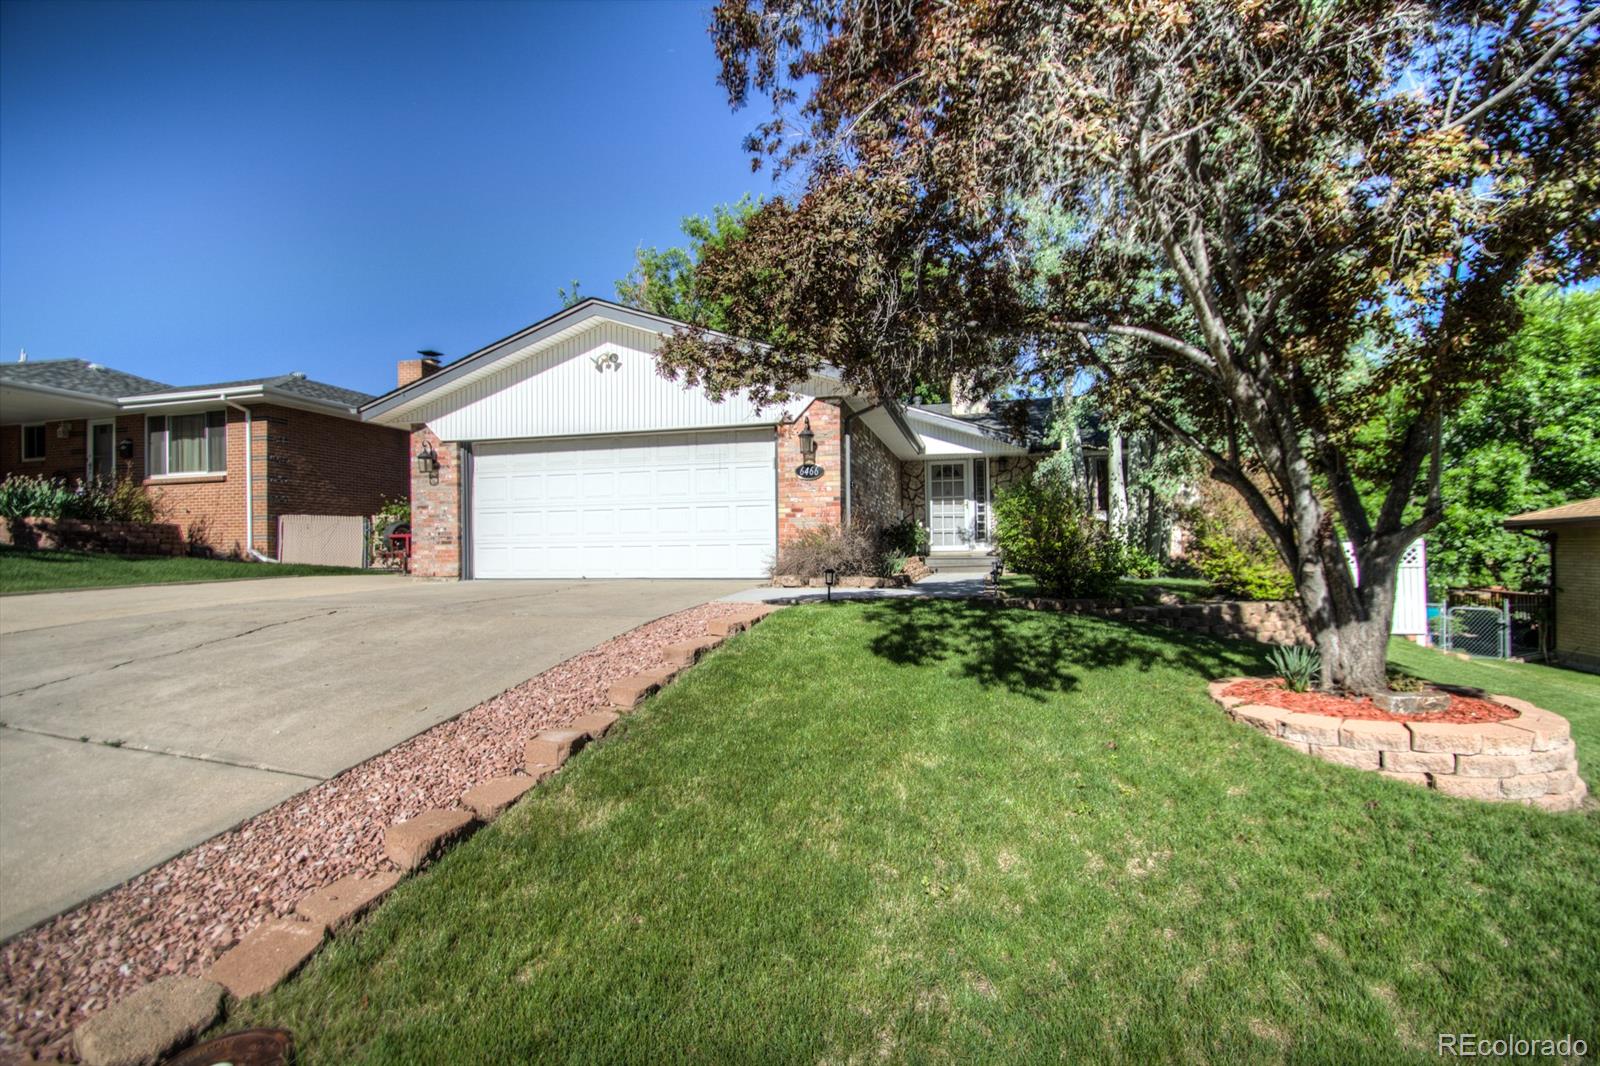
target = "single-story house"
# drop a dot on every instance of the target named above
(561, 452)
(1573, 532)
(223, 460)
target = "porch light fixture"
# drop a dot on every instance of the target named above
(428, 462)
(63, 430)
(125, 448)
(808, 443)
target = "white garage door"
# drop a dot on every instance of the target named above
(663, 505)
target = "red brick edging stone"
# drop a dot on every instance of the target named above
(1529, 759)
(54, 978)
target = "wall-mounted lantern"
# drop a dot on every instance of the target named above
(63, 430)
(808, 444)
(428, 463)
(125, 448)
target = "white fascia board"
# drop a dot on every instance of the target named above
(951, 436)
(392, 407)
(200, 398)
(65, 394)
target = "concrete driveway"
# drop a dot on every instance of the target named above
(136, 723)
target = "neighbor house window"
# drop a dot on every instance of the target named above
(33, 443)
(187, 444)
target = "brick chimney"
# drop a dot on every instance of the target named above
(963, 401)
(416, 369)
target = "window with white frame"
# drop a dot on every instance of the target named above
(187, 444)
(33, 443)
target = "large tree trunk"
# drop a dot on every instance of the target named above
(1117, 496)
(1349, 623)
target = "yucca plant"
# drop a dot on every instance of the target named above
(1297, 665)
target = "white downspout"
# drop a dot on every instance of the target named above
(249, 483)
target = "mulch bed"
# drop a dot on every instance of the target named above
(180, 916)
(1270, 692)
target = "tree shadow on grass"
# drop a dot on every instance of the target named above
(1034, 653)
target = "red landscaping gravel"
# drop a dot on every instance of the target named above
(1270, 692)
(181, 915)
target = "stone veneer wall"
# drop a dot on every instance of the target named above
(1529, 759)
(1266, 621)
(874, 480)
(71, 534)
(1004, 472)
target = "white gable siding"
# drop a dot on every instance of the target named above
(557, 392)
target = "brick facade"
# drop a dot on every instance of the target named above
(436, 510)
(304, 463)
(805, 505)
(1576, 557)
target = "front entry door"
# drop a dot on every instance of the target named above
(949, 505)
(102, 451)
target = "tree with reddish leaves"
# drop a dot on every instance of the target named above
(1263, 226)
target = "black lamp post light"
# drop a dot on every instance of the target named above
(830, 578)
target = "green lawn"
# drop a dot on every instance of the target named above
(51, 571)
(1187, 589)
(930, 830)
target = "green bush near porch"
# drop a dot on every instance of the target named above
(925, 830)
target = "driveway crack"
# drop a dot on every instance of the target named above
(175, 651)
(169, 753)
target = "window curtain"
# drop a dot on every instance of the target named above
(186, 444)
(155, 451)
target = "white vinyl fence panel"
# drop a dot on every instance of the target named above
(322, 539)
(1410, 591)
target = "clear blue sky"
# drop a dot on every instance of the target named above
(195, 192)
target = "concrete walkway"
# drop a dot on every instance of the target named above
(955, 584)
(135, 723)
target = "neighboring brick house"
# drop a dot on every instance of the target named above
(1573, 532)
(309, 452)
(561, 452)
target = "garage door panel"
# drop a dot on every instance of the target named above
(689, 504)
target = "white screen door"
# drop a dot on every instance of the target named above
(948, 523)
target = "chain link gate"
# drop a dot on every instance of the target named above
(1515, 627)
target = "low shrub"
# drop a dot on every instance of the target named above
(849, 551)
(906, 537)
(1044, 531)
(41, 497)
(1241, 571)
(1229, 550)
(1141, 563)
(33, 497)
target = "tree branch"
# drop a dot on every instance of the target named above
(1550, 55)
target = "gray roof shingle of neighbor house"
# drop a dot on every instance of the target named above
(296, 383)
(78, 375)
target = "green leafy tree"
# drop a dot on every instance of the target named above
(1529, 441)
(664, 280)
(1276, 220)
